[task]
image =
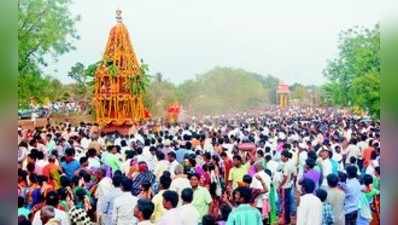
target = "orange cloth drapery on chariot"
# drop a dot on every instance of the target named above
(114, 101)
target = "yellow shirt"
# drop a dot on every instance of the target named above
(236, 174)
(201, 200)
(159, 209)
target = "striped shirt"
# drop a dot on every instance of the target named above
(327, 214)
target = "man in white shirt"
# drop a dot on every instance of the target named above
(180, 181)
(22, 153)
(347, 133)
(149, 156)
(123, 206)
(60, 215)
(302, 157)
(106, 206)
(161, 165)
(337, 156)
(124, 147)
(288, 172)
(363, 143)
(118, 140)
(326, 164)
(352, 150)
(93, 160)
(172, 216)
(261, 181)
(309, 211)
(191, 214)
(171, 156)
(40, 163)
(143, 211)
(271, 164)
(281, 135)
(85, 142)
(104, 186)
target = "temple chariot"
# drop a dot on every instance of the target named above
(118, 93)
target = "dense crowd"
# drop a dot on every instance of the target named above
(66, 107)
(304, 166)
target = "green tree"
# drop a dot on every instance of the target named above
(56, 90)
(139, 83)
(84, 78)
(39, 89)
(366, 93)
(358, 57)
(46, 30)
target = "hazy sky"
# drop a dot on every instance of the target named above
(291, 40)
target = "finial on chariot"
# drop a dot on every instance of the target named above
(119, 15)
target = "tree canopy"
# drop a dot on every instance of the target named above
(84, 79)
(354, 75)
(46, 30)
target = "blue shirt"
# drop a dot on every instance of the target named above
(23, 212)
(335, 166)
(352, 189)
(70, 168)
(245, 215)
(180, 154)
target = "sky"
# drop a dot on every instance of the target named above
(291, 40)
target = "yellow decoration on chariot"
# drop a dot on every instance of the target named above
(113, 100)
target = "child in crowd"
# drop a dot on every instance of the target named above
(327, 211)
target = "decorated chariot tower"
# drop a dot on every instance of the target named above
(118, 96)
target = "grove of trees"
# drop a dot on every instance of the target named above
(354, 75)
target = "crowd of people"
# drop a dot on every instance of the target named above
(66, 107)
(304, 166)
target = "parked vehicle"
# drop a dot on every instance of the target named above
(27, 113)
